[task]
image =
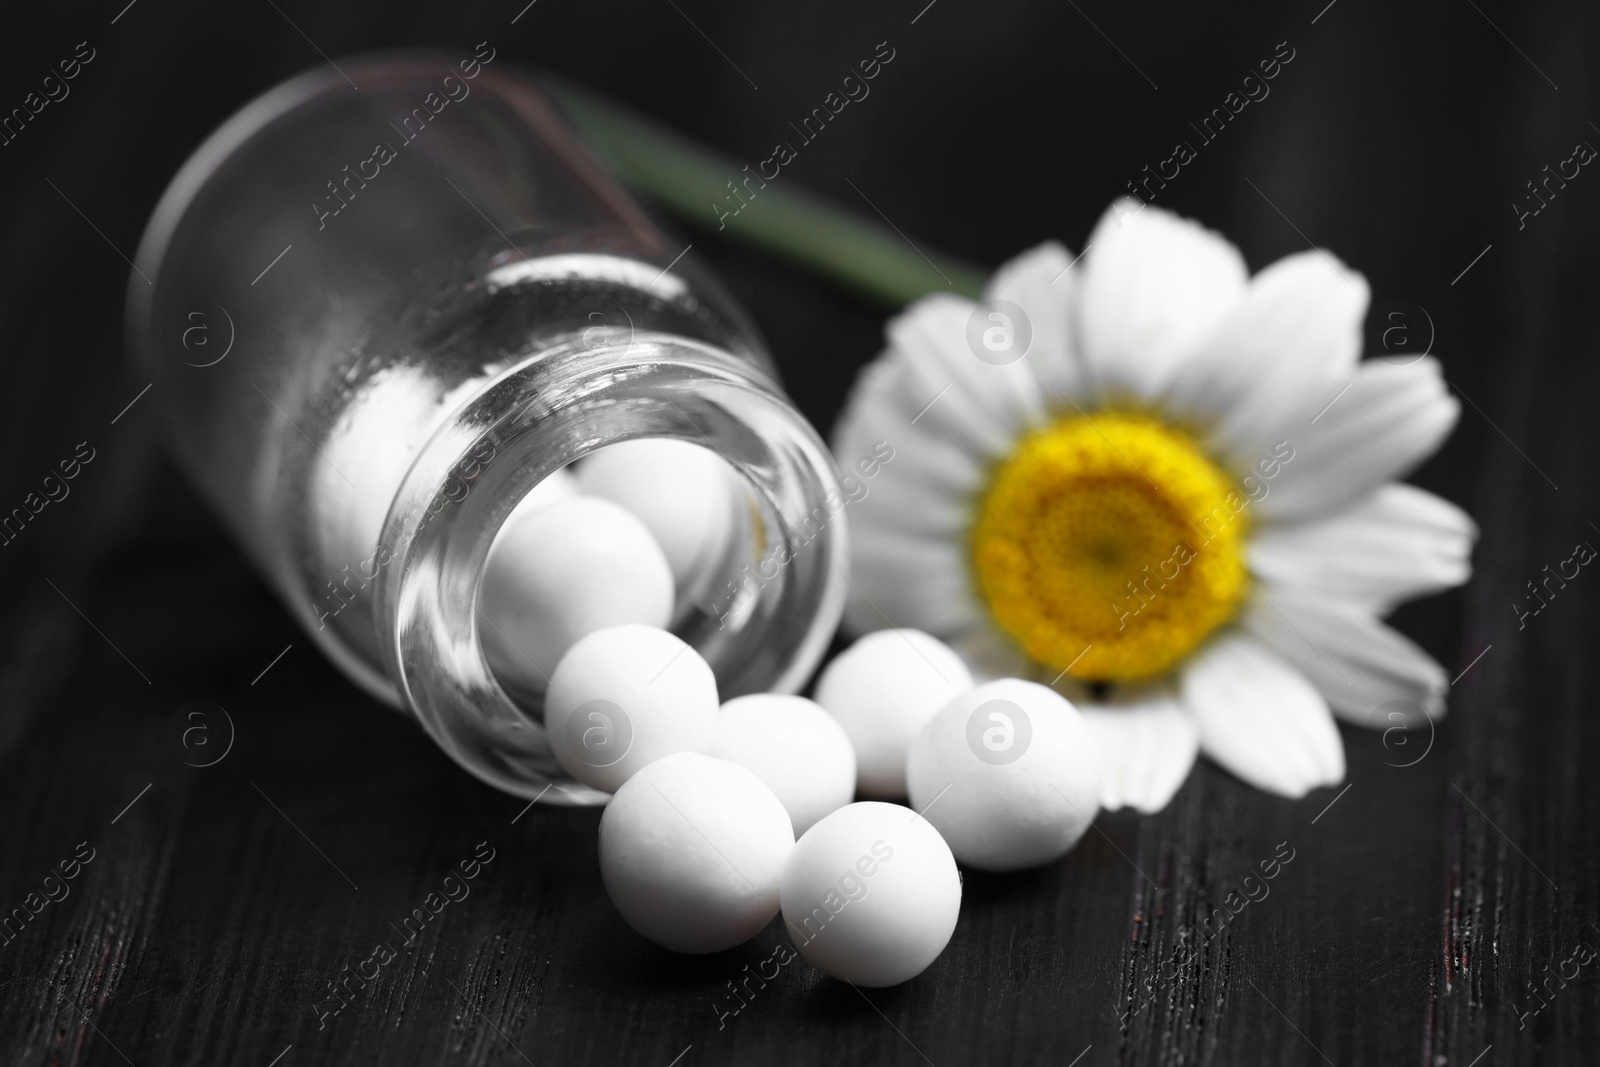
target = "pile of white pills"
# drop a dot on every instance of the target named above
(725, 815)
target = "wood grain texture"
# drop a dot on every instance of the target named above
(1421, 910)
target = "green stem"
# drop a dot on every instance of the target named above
(852, 249)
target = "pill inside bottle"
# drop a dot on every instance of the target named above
(654, 531)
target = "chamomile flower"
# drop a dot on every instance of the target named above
(1168, 488)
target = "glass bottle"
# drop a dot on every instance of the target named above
(375, 318)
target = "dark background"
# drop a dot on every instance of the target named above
(1417, 907)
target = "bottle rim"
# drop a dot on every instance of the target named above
(536, 418)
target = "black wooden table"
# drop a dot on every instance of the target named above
(1432, 913)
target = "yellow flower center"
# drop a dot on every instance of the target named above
(1110, 546)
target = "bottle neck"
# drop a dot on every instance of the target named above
(764, 629)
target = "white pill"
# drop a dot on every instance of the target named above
(883, 689)
(1009, 774)
(800, 752)
(624, 697)
(870, 894)
(563, 570)
(680, 491)
(691, 852)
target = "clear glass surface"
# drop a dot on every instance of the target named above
(394, 346)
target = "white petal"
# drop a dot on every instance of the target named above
(922, 483)
(908, 518)
(892, 397)
(990, 654)
(1042, 282)
(912, 494)
(1260, 718)
(1357, 662)
(1391, 418)
(957, 393)
(1154, 288)
(943, 463)
(1398, 543)
(1298, 325)
(1149, 742)
(918, 507)
(908, 582)
(874, 409)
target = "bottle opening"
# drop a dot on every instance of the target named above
(662, 478)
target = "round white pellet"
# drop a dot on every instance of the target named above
(883, 689)
(624, 697)
(691, 851)
(1009, 774)
(800, 752)
(560, 571)
(870, 894)
(680, 491)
